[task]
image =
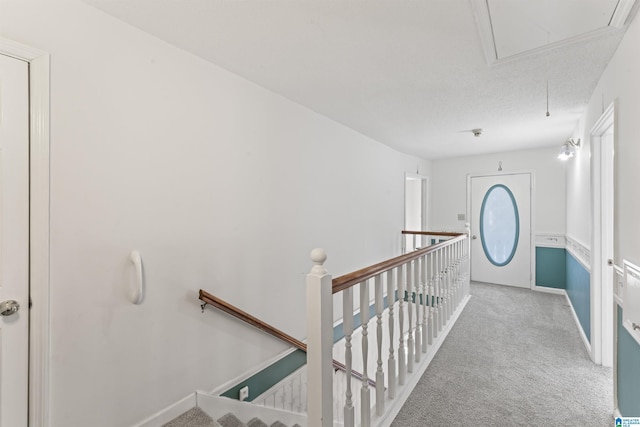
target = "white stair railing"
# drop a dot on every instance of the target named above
(415, 297)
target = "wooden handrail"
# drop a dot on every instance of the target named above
(234, 311)
(433, 233)
(253, 321)
(348, 280)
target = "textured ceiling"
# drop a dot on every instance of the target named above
(410, 74)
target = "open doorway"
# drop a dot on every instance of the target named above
(603, 255)
(416, 193)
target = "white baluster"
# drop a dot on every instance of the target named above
(418, 334)
(402, 357)
(300, 400)
(379, 371)
(440, 288)
(450, 283)
(469, 268)
(455, 279)
(303, 391)
(283, 398)
(424, 302)
(436, 293)
(460, 271)
(445, 286)
(365, 394)
(455, 276)
(347, 325)
(430, 289)
(410, 342)
(391, 365)
(319, 343)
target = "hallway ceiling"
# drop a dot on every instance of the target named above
(415, 75)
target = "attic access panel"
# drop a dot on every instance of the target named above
(513, 28)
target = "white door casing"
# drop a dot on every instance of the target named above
(14, 240)
(516, 267)
(602, 244)
(416, 194)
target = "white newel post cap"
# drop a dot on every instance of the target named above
(318, 256)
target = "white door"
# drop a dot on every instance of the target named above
(501, 229)
(14, 242)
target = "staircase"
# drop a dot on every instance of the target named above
(415, 300)
(196, 417)
(218, 411)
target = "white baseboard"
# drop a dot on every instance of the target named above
(549, 290)
(170, 412)
(585, 340)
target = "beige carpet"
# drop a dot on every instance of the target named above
(514, 358)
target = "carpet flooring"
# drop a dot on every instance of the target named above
(514, 357)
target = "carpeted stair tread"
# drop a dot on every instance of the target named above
(194, 417)
(257, 422)
(230, 420)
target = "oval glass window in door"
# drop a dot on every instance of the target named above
(499, 225)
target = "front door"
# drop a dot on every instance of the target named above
(14, 242)
(501, 229)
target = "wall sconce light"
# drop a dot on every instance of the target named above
(568, 149)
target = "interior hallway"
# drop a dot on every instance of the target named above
(514, 357)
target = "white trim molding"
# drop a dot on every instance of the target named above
(550, 240)
(39, 324)
(619, 19)
(580, 252)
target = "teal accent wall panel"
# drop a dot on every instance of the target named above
(579, 291)
(551, 267)
(628, 372)
(269, 376)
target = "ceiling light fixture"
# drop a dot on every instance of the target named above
(568, 149)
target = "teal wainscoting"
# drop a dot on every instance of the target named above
(551, 268)
(579, 291)
(628, 372)
(273, 374)
(269, 376)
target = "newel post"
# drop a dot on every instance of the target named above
(319, 343)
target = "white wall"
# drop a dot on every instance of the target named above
(219, 184)
(449, 186)
(579, 216)
(618, 83)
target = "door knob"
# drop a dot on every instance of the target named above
(474, 237)
(9, 307)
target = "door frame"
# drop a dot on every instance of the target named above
(39, 193)
(602, 182)
(424, 203)
(532, 173)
